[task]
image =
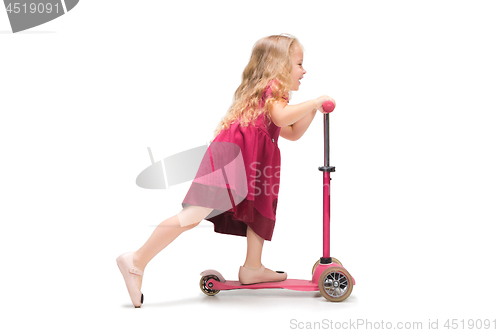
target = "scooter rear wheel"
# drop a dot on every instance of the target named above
(206, 287)
(333, 259)
(335, 284)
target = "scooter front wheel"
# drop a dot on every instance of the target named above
(206, 287)
(335, 284)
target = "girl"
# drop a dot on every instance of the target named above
(237, 183)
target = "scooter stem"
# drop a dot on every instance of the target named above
(326, 169)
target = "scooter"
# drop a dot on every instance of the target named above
(329, 276)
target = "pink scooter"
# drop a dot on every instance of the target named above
(328, 275)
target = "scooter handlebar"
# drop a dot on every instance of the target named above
(328, 106)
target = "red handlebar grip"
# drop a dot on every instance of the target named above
(328, 106)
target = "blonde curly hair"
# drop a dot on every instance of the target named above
(271, 59)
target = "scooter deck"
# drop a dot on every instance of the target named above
(290, 284)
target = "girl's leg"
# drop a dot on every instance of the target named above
(166, 232)
(253, 271)
(254, 250)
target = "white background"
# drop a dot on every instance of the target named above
(414, 138)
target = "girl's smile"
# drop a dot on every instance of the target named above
(297, 70)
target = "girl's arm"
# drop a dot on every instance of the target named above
(301, 126)
(284, 115)
(287, 133)
(296, 130)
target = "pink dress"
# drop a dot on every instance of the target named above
(239, 178)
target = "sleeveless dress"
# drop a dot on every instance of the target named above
(239, 178)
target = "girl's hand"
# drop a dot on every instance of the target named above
(319, 102)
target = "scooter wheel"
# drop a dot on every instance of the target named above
(335, 284)
(205, 286)
(317, 263)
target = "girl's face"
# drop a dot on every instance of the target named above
(297, 70)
